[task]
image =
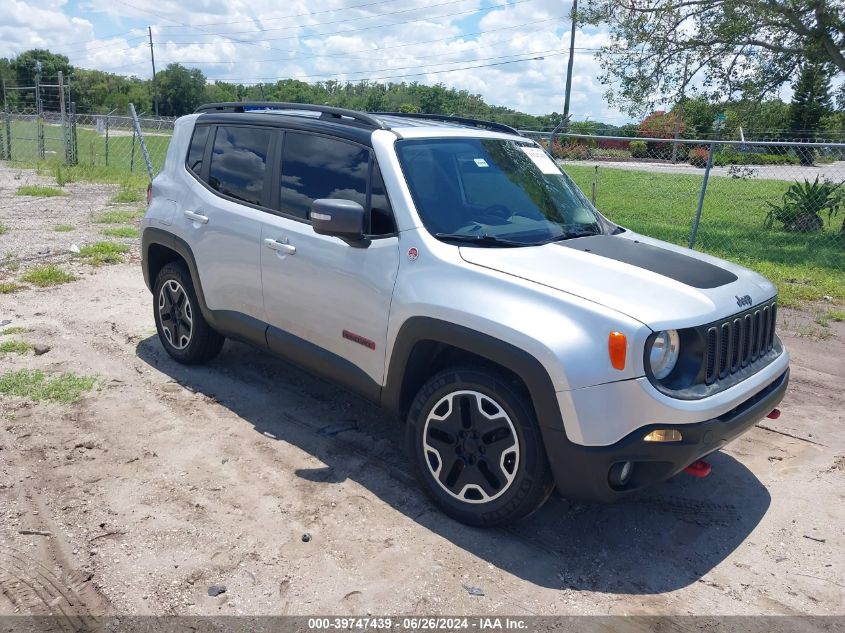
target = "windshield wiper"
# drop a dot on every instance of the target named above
(482, 238)
(571, 235)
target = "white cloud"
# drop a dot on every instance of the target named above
(319, 39)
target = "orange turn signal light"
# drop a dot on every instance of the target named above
(617, 347)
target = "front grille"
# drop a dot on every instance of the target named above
(738, 341)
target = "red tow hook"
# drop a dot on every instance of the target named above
(774, 414)
(698, 469)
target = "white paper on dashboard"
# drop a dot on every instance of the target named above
(542, 160)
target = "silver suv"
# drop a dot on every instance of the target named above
(448, 270)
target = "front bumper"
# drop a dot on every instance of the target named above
(581, 472)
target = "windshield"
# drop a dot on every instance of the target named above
(492, 192)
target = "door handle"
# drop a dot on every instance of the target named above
(279, 246)
(196, 217)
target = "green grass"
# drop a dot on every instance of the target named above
(16, 329)
(49, 275)
(64, 228)
(91, 150)
(804, 266)
(119, 217)
(39, 191)
(14, 347)
(7, 287)
(827, 317)
(35, 385)
(103, 253)
(127, 194)
(3, 229)
(121, 231)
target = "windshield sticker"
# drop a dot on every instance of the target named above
(481, 162)
(542, 160)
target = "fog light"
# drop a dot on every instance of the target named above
(664, 435)
(620, 473)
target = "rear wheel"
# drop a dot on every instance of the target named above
(476, 447)
(185, 334)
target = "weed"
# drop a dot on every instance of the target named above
(16, 329)
(119, 217)
(103, 253)
(811, 331)
(35, 385)
(3, 229)
(121, 231)
(14, 347)
(7, 287)
(49, 275)
(64, 228)
(127, 194)
(39, 191)
(825, 318)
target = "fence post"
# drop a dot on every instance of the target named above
(108, 118)
(707, 168)
(136, 126)
(8, 117)
(64, 118)
(74, 141)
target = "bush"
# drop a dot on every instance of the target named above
(803, 204)
(698, 156)
(638, 149)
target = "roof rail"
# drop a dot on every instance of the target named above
(326, 112)
(490, 125)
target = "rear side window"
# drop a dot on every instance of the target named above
(316, 167)
(196, 151)
(239, 162)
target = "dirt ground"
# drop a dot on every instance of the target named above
(166, 480)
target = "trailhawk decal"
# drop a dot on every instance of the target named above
(683, 268)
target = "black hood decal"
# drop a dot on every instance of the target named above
(683, 268)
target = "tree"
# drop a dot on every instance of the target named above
(810, 102)
(180, 90)
(26, 66)
(746, 48)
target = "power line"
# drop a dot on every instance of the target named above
(379, 26)
(293, 15)
(553, 53)
(379, 50)
(435, 72)
(375, 15)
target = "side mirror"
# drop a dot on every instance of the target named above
(339, 218)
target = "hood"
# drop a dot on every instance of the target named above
(659, 284)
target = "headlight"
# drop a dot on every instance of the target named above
(664, 353)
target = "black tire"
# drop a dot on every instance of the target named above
(185, 334)
(521, 471)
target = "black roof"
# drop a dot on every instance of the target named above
(330, 119)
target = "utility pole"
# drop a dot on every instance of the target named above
(153, 60)
(569, 68)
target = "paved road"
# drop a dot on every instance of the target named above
(831, 171)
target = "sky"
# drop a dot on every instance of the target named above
(489, 47)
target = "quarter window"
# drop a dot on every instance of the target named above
(316, 167)
(197, 150)
(381, 215)
(238, 162)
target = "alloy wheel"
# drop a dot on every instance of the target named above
(175, 314)
(471, 446)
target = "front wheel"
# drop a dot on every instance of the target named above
(475, 444)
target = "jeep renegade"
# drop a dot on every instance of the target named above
(448, 270)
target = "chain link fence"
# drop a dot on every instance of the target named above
(100, 145)
(775, 206)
